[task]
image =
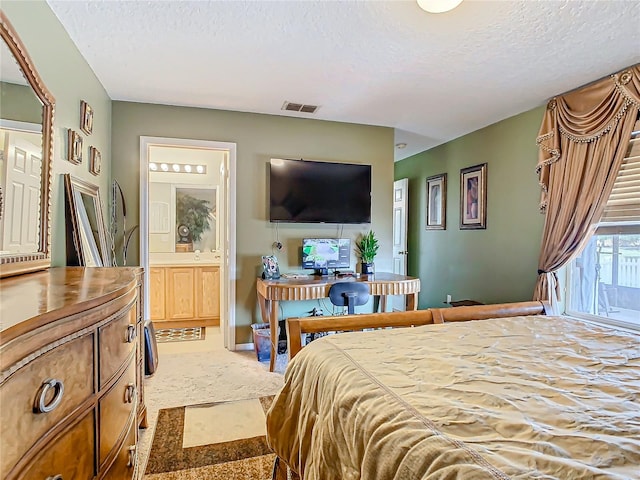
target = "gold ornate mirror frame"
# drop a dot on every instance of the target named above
(14, 264)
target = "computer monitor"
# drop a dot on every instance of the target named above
(322, 254)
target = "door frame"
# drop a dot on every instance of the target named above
(228, 274)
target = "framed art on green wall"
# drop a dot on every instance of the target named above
(473, 197)
(436, 211)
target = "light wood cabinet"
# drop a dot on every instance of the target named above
(189, 295)
(208, 292)
(181, 284)
(70, 374)
(157, 287)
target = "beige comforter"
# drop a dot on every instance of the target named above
(523, 398)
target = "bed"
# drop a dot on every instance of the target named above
(525, 395)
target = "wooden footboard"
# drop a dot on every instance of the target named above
(297, 326)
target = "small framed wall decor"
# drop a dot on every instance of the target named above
(95, 160)
(86, 117)
(473, 197)
(436, 212)
(74, 146)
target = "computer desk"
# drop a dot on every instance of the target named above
(271, 292)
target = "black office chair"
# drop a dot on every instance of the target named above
(349, 294)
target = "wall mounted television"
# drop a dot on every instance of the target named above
(304, 191)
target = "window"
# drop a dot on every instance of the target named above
(604, 281)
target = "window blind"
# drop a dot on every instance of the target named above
(623, 205)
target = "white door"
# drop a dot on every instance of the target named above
(400, 191)
(22, 198)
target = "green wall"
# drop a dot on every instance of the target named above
(70, 79)
(19, 103)
(495, 265)
(259, 138)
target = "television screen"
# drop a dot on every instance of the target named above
(319, 192)
(324, 253)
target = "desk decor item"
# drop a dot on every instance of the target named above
(95, 161)
(86, 117)
(473, 197)
(74, 146)
(436, 202)
(270, 269)
(367, 249)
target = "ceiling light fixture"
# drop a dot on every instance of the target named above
(401, 145)
(438, 6)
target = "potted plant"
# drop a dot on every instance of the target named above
(367, 248)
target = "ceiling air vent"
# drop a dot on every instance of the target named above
(299, 107)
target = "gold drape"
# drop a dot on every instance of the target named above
(582, 140)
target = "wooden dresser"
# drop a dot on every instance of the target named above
(71, 371)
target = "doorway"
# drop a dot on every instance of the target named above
(400, 213)
(203, 173)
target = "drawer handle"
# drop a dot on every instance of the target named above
(130, 393)
(131, 333)
(132, 456)
(55, 477)
(41, 398)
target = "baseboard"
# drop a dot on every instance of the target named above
(244, 346)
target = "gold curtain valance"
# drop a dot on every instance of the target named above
(583, 116)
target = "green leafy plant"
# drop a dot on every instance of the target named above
(194, 213)
(367, 247)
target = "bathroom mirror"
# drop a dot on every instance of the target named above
(87, 241)
(26, 150)
(182, 218)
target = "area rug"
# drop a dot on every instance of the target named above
(217, 441)
(164, 335)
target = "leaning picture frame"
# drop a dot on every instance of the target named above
(436, 209)
(473, 197)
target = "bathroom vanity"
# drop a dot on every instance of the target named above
(184, 289)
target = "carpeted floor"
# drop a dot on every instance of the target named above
(197, 373)
(220, 441)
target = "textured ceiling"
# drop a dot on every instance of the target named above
(431, 77)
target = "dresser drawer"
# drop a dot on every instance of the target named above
(70, 456)
(70, 369)
(125, 463)
(115, 410)
(116, 341)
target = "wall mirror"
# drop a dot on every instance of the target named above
(26, 150)
(87, 241)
